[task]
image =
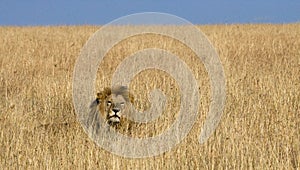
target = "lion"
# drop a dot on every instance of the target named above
(112, 104)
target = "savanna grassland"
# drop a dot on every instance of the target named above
(259, 128)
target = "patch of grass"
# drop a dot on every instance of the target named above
(259, 128)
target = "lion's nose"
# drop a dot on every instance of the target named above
(116, 110)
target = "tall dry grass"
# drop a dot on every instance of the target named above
(259, 128)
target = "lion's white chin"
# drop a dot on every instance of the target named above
(114, 119)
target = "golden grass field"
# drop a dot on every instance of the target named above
(259, 128)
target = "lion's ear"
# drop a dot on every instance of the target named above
(100, 96)
(104, 93)
(107, 91)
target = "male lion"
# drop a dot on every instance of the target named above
(112, 103)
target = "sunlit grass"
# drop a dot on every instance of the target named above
(259, 128)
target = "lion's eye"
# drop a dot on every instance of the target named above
(123, 104)
(108, 103)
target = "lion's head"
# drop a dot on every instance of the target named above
(113, 103)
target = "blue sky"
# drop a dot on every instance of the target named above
(97, 12)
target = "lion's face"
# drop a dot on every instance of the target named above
(113, 104)
(114, 107)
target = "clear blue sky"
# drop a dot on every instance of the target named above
(99, 12)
